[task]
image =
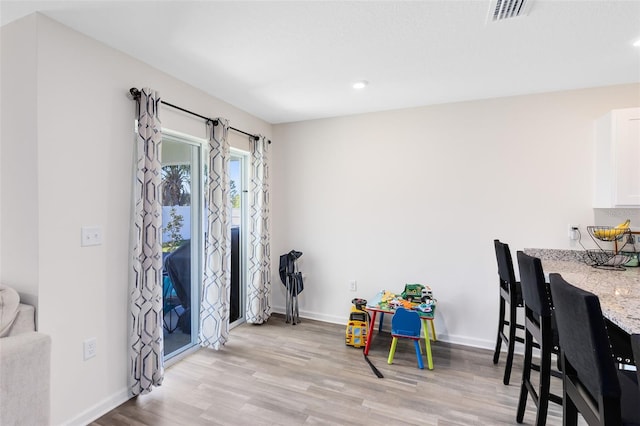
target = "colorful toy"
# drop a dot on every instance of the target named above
(412, 292)
(356, 333)
(387, 296)
(427, 294)
(425, 307)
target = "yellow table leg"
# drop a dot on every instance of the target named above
(427, 343)
(433, 331)
(392, 351)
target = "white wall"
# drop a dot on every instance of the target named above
(419, 195)
(19, 179)
(74, 148)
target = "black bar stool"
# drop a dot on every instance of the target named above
(592, 385)
(539, 327)
(635, 345)
(511, 294)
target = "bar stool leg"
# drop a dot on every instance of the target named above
(526, 377)
(496, 353)
(512, 343)
(545, 381)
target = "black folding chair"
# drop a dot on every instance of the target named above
(292, 279)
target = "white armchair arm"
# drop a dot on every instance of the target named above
(25, 364)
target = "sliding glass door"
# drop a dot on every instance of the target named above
(181, 241)
(237, 175)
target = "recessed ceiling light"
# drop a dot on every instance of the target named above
(360, 84)
(637, 43)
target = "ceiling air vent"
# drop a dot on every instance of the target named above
(499, 10)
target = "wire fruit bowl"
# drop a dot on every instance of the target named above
(607, 259)
(605, 238)
(607, 233)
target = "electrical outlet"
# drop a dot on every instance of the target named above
(353, 286)
(90, 348)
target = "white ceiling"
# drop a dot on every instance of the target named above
(296, 60)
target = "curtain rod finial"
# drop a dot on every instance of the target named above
(134, 92)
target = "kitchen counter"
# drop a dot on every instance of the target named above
(618, 291)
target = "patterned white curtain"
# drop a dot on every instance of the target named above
(216, 288)
(259, 283)
(145, 335)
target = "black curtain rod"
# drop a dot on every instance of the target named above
(136, 95)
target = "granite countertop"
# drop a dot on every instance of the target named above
(618, 290)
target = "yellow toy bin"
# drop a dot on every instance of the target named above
(356, 333)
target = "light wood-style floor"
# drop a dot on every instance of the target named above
(279, 374)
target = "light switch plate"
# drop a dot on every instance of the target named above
(91, 236)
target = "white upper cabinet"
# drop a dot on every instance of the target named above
(617, 159)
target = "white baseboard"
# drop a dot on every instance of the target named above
(467, 341)
(99, 409)
(314, 316)
(454, 339)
